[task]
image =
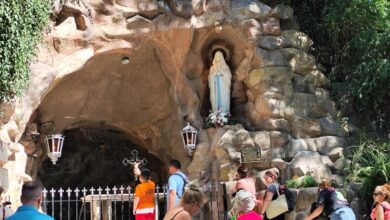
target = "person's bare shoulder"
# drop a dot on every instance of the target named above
(183, 216)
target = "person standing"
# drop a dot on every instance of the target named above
(143, 207)
(5, 210)
(270, 179)
(245, 182)
(243, 204)
(190, 204)
(31, 199)
(381, 210)
(332, 203)
(176, 184)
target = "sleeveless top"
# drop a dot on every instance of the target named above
(248, 184)
(386, 210)
(176, 214)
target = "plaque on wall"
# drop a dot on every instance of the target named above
(250, 154)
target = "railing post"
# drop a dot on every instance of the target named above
(69, 191)
(44, 192)
(61, 192)
(114, 189)
(52, 192)
(84, 204)
(156, 206)
(130, 210)
(77, 202)
(121, 189)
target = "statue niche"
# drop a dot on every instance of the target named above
(220, 84)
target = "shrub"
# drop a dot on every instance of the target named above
(370, 166)
(301, 182)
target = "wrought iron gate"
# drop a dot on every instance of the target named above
(113, 203)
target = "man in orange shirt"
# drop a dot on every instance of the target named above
(143, 208)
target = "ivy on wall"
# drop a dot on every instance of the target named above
(22, 23)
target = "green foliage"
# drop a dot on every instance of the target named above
(360, 32)
(21, 26)
(370, 166)
(301, 182)
(352, 40)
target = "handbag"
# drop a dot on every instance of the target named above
(277, 207)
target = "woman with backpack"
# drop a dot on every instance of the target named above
(381, 210)
(331, 203)
(270, 179)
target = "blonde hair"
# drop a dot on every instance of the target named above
(385, 190)
(272, 173)
(193, 194)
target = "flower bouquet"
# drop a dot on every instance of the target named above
(218, 119)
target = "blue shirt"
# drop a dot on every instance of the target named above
(28, 212)
(176, 182)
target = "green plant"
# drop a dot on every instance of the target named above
(370, 166)
(21, 27)
(352, 41)
(301, 182)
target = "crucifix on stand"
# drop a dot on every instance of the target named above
(135, 161)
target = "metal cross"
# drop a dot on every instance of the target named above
(69, 191)
(61, 191)
(84, 191)
(77, 192)
(134, 159)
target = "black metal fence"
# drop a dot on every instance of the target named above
(115, 203)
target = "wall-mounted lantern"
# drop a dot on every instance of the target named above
(189, 138)
(54, 142)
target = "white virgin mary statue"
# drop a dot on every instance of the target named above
(219, 83)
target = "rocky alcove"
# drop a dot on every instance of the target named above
(79, 82)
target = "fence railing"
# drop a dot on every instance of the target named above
(112, 203)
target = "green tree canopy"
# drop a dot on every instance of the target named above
(352, 40)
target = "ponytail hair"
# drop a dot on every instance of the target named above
(193, 194)
(242, 171)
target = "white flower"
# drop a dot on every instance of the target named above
(218, 118)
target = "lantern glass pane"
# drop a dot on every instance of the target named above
(185, 138)
(52, 144)
(194, 137)
(61, 143)
(190, 139)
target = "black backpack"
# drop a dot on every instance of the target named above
(290, 197)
